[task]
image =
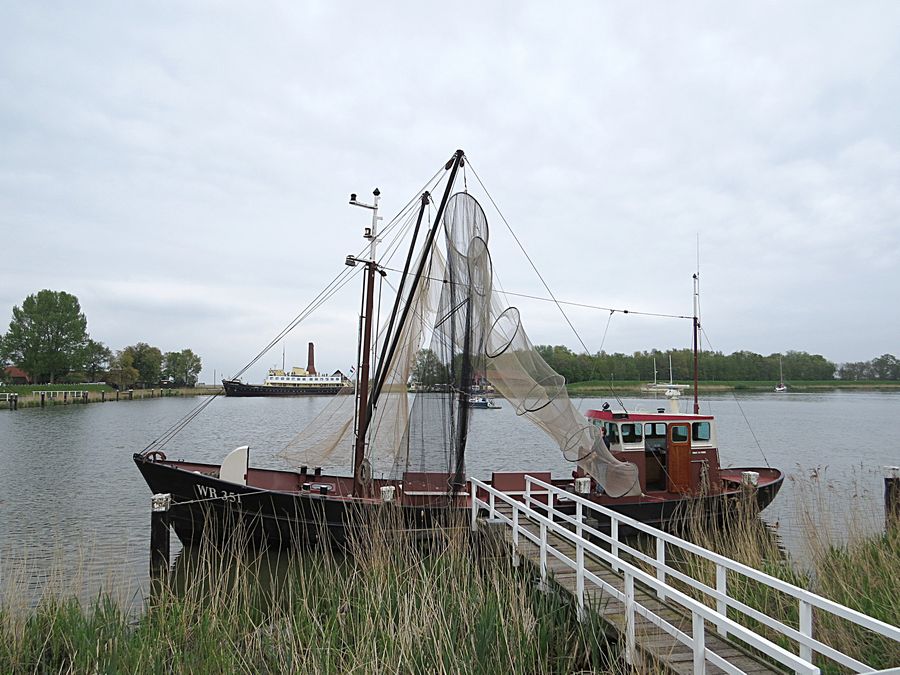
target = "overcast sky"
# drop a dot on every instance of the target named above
(183, 168)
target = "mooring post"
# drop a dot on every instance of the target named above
(84, 397)
(15, 401)
(65, 397)
(159, 534)
(42, 399)
(891, 497)
(131, 394)
(102, 397)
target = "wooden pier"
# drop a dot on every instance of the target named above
(688, 627)
(658, 651)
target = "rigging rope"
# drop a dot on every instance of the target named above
(741, 408)
(336, 284)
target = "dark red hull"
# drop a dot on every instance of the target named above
(292, 510)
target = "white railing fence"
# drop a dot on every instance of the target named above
(541, 505)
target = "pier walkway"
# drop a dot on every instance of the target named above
(668, 619)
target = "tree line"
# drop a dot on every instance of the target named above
(48, 339)
(428, 370)
(713, 366)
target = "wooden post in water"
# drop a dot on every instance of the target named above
(65, 397)
(102, 397)
(131, 394)
(42, 399)
(117, 394)
(14, 402)
(159, 534)
(891, 497)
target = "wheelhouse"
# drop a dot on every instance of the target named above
(673, 452)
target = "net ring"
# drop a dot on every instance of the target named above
(573, 441)
(554, 384)
(509, 315)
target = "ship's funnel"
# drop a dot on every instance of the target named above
(311, 360)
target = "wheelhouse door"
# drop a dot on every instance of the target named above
(679, 458)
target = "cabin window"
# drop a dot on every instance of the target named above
(679, 433)
(632, 433)
(700, 431)
(612, 431)
(655, 430)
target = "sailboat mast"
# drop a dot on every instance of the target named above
(696, 343)
(365, 344)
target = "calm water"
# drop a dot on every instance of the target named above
(73, 506)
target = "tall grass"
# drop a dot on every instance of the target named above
(842, 561)
(394, 601)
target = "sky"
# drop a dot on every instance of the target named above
(184, 168)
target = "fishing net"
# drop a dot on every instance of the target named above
(473, 338)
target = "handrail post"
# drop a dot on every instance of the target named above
(515, 535)
(699, 643)
(491, 506)
(721, 604)
(579, 563)
(630, 647)
(473, 491)
(614, 534)
(806, 621)
(661, 566)
(528, 491)
(543, 555)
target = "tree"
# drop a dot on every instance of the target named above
(183, 367)
(148, 362)
(428, 370)
(122, 372)
(94, 358)
(46, 335)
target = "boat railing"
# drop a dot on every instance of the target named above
(585, 538)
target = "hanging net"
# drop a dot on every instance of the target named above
(472, 338)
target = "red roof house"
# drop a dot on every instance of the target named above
(17, 375)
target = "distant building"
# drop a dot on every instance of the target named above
(17, 375)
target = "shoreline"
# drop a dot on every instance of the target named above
(73, 395)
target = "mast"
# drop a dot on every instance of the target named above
(696, 342)
(365, 344)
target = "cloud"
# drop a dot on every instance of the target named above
(184, 170)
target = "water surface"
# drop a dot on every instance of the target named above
(74, 508)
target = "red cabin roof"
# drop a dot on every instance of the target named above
(610, 416)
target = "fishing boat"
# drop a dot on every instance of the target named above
(294, 382)
(781, 387)
(389, 447)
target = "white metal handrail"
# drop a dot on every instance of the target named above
(700, 613)
(807, 600)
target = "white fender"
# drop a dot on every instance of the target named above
(234, 466)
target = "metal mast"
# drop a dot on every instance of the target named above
(696, 342)
(365, 344)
